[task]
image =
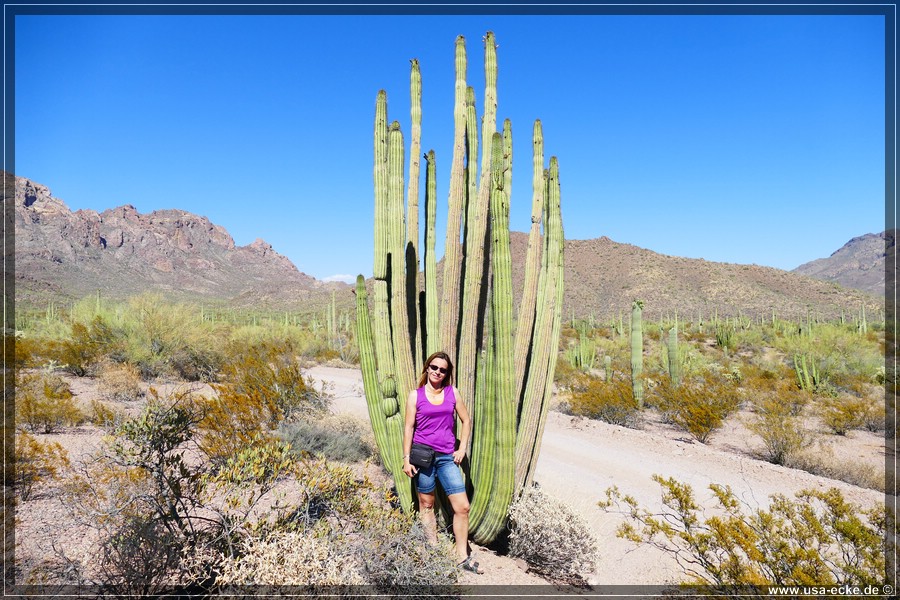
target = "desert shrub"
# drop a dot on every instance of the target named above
(270, 372)
(397, 557)
(565, 374)
(611, 401)
(36, 462)
(873, 414)
(148, 487)
(820, 460)
(817, 538)
(334, 437)
(699, 405)
(138, 558)
(105, 416)
(289, 558)
(196, 364)
(119, 382)
(263, 385)
(230, 421)
(86, 346)
(553, 539)
(44, 403)
(779, 427)
(28, 352)
(843, 413)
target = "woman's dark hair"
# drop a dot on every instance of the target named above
(448, 378)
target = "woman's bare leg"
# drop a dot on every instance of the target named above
(426, 514)
(460, 504)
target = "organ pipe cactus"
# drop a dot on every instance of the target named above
(504, 362)
(637, 353)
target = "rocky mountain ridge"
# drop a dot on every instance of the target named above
(65, 253)
(858, 264)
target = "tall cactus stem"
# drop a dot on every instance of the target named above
(432, 324)
(527, 307)
(637, 353)
(452, 250)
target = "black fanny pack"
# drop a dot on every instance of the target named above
(421, 455)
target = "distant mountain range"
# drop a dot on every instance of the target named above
(61, 254)
(858, 264)
(66, 254)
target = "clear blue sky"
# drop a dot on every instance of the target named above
(743, 139)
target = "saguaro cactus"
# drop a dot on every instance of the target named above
(674, 361)
(504, 365)
(637, 352)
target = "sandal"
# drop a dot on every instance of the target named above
(471, 566)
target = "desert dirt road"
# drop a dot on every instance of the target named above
(581, 458)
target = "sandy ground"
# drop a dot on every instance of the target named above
(581, 458)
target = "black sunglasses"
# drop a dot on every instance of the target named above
(436, 368)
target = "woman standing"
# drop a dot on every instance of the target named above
(430, 420)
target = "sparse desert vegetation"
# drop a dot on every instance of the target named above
(225, 469)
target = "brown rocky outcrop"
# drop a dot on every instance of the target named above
(122, 252)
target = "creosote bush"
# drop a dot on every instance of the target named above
(776, 421)
(817, 538)
(36, 462)
(262, 387)
(120, 382)
(698, 405)
(611, 401)
(843, 413)
(44, 403)
(552, 538)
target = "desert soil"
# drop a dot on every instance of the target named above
(579, 460)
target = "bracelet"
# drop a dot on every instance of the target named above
(406, 456)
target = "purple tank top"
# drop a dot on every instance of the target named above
(435, 424)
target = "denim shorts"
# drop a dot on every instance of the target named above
(447, 471)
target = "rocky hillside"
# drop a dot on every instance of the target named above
(602, 277)
(64, 254)
(858, 264)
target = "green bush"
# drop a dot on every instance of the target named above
(816, 539)
(553, 539)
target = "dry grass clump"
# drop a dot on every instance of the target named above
(553, 539)
(119, 382)
(44, 403)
